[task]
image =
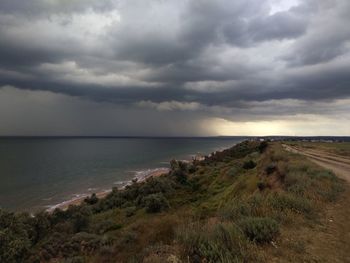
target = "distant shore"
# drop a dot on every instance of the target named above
(78, 200)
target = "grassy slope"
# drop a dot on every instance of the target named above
(225, 210)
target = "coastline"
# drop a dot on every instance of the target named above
(140, 176)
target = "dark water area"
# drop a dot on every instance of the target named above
(37, 173)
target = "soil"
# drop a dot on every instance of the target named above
(328, 241)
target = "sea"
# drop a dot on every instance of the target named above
(39, 173)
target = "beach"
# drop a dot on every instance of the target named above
(51, 173)
(140, 176)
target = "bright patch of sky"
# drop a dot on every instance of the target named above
(282, 5)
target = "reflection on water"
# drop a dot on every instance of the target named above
(37, 173)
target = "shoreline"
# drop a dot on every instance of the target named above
(140, 176)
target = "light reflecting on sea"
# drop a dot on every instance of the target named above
(36, 173)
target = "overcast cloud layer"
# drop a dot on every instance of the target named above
(184, 67)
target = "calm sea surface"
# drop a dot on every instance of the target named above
(36, 173)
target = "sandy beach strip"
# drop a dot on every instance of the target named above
(78, 200)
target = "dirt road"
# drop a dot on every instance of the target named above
(329, 240)
(340, 165)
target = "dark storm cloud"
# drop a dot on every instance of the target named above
(169, 54)
(328, 37)
(43, 7)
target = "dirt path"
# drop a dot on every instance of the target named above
(340, 165)
(329, 240)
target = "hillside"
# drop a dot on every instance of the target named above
(254, 202)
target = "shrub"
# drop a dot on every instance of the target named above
(41, 225)
(155, 185)
(323, 174)
(127, 237)
(155, 203)
(80, 217)
(238, 208)
(249, 165)
(270, 168)
(14, 239)
(130, 211)
(91, 242)
(91, 200)
(331, 193)
(298, 183)
(233, 171)
(179, 171)
(259, 229)
(192, 168)
(284, 201)
(105, 226)
(194, 184)
(180, 176)
(261, 185)
(235, 211)
(313, 184)
(203, 243)
(58, 245)
(262, 146)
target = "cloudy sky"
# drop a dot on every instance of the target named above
(174, 67)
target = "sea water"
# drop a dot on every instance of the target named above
(38, 173)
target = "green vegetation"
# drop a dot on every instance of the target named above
(260, 229)
(249, 165)
(233, 206)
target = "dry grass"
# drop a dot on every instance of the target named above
(284, 209)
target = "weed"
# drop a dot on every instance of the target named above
(222, 243)
(155, 203)
(259, 229)
(283, 201)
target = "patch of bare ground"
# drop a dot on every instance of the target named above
(329, 239)
(325, 241)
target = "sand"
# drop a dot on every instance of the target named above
(78, 200)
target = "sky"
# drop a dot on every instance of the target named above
(174, 67)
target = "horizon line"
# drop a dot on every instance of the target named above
(179, 137)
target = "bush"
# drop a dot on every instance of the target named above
(249, 165)
(313, 183)
(155, 185)
(128, 237)
(58, 245)
(14, 239)
(105, 226)
(262, 147)
(288, 201)
(270, 168)
(203, 243)
(91, 200)
(322, 174)
(233, 171)
(130, 211)
(91, 242)
(239, 208)
(261, 185)
(179, 171)
(180, 176)
(80, 217)
(155, 203)
(259, 229)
